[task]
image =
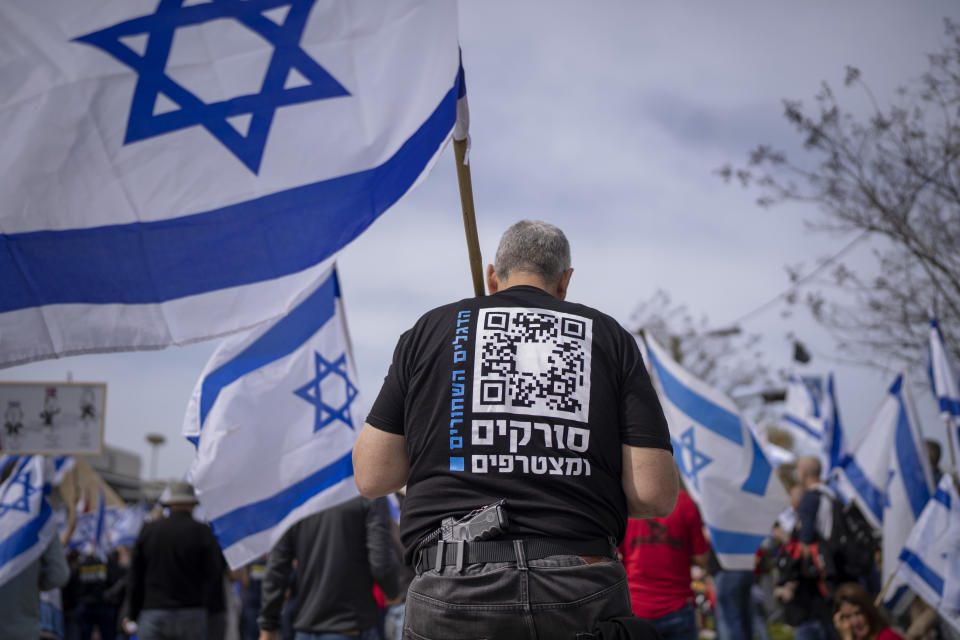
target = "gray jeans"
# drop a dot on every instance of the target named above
(172, 624)
(554, 597)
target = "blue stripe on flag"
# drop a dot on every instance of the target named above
(908, 458)
(942, 497)
(734, 541)
(26, 536)
(891, 602)
(950, 405)
(701, 410)
(253, 518)
(920, 568)
(797, 422)
(760, 471)
(101, 514)
(833, 431)
(461, 79)
(282, 339)
(253, 241)
(871, 495)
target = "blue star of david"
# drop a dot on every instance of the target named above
(153, 81)
(311, 392)
(697, 459)
(23, 503)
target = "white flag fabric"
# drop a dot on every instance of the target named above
(274, 417)
(946, 385)
(723, 465)
(888, 474)
(776, 455)
(802, 413)
(27, 524)
(176, 170)
(930, 560)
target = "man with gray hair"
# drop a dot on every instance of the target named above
(526, 430)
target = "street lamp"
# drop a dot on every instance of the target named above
(155, 440)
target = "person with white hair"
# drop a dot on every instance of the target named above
(526, 430)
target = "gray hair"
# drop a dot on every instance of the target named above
(533, 247)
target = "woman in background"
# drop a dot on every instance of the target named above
(855, 617)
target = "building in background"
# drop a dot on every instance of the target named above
(121, 470)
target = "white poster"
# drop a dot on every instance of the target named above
(52, 417)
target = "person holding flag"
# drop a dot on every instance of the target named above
(31, 558)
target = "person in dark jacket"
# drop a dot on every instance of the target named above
(174, 560)
(340, 552)
(96, 575)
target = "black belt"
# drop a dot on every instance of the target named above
(443, 554)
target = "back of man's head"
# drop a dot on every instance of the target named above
(533, 247)
(808, 470)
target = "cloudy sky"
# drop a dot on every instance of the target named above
(607, 118)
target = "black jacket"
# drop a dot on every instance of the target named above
(173, 562)
(340, 553)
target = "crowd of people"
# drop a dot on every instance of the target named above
(340, 574)
(795, 583)
(525, 439)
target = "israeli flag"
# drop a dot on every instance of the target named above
(833, 447)
(27, 524)
(126, 526)
(100, 544)
(887, 472)
(91, 531)
(802, 413)
(61, 465)
(945, 385)
(274, 417)
(176, 170)
(930, 559)
(722, 463)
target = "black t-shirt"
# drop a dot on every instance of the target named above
(520, 396)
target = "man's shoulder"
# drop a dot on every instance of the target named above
(810, 501)
(516, 298)
(443, 312)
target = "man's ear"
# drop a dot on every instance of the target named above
(493, 285)
(563, 283)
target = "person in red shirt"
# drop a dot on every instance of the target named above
(657, 554)
(855, 617)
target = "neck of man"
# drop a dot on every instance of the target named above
(181, 508)
(518, 278)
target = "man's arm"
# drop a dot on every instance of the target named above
(381, 557)
(649, 482)
(275, 579)
(380, 463)
(54, 572)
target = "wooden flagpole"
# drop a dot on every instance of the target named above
(469, 215)
(886, 587)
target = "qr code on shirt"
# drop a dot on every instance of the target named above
(532, 361)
